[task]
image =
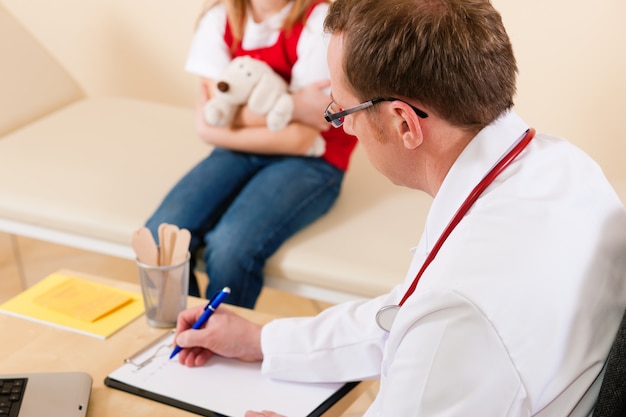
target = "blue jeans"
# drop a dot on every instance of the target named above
(240, 208)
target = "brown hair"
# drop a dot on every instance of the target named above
(236, 11)
(453, 56)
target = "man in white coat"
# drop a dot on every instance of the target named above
(517, 285)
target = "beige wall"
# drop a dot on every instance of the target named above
(572, 82)
(118, 47)
(572, 58)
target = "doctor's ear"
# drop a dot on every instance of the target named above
(407, 124)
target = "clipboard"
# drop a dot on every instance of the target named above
(221, 388)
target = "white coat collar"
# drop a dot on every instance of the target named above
(478, 157)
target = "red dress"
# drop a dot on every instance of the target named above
(281, 57)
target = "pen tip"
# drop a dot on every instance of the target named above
(226, 289)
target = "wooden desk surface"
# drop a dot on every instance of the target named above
(28, 346)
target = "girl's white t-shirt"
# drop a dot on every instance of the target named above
(209, 55)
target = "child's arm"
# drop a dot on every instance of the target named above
(309, 105)
(249, 133)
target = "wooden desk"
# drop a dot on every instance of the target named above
(28, 346)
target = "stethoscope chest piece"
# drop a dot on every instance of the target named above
(386, 316)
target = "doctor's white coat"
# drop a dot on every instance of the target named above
(516, 314)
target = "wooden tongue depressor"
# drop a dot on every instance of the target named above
(176, 248)
(168, 243)
(147, 253)
(161, 233)
(144, 246)
(181, 246)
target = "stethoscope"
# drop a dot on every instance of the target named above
(387, 314)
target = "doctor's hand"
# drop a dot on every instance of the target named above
(225, 334)
(262, 414)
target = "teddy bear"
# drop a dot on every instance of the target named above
(247, 80)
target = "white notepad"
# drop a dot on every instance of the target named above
(225, 387)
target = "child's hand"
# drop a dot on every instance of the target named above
(309, 105)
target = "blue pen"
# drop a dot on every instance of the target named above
(208, 310)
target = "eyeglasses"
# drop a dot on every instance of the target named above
(335, 115)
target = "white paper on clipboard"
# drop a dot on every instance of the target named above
(222, 386)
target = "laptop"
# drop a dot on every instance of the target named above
(50, 394)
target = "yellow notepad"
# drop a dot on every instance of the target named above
(76, 304)
(83, 300)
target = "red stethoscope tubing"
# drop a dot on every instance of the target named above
(469, 201)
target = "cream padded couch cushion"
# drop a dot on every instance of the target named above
(97, 167)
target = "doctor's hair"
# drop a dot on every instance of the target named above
(237, 12)
(453, 57)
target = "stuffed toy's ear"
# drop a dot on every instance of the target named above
(269, 88)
